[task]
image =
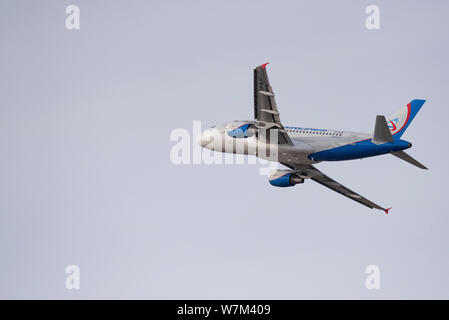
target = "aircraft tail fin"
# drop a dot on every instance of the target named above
(404, 156)
(402, 119)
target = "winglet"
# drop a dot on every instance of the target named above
(386, 210)
(264, 65)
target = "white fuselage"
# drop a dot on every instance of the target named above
(306, 141)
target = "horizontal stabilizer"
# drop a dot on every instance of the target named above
(404, 156)
(382, 133)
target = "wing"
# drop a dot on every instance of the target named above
(316, 175)
(265, 109)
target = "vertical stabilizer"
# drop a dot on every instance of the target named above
(402, 119)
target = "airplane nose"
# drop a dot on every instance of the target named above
(204, 139)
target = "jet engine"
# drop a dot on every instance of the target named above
(245, 130)
(284, 178)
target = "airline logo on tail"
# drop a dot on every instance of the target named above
(400, 120)
(393, 125)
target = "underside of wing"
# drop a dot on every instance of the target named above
(316, 175)
(265, 108)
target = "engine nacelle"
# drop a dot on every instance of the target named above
(242, 129)
(284, 178)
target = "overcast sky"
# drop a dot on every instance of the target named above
(85, 171)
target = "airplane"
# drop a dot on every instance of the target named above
(299, 148)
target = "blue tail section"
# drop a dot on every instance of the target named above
(402, 119)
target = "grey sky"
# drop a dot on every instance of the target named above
(85, 174)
